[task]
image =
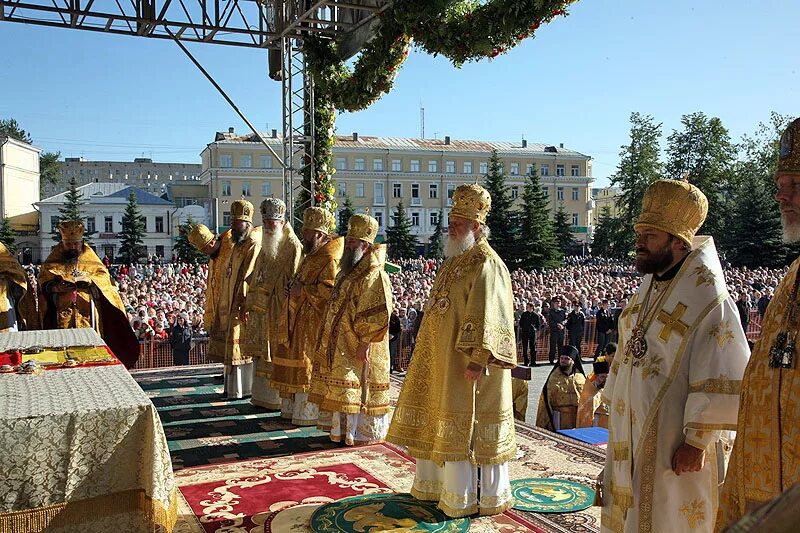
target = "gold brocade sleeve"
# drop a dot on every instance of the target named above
(319, 293)
(373, 308)
(486, 335)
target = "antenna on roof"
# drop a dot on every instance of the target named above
(421, 120)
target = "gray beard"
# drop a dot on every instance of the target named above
(270, 244)
(239, 236)
(791, 232)
(349, 260)
(454, 247)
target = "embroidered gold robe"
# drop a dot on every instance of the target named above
(357, 313)
(95, 302)
(217, 265)
(766, 455)
(563, 393)
(588, 403)
(684, 389)
(469, 317)
(266, 300)
(519, 392)
(301, 320)
(14, 291)
(236, 269)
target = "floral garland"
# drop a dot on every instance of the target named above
(461, 30)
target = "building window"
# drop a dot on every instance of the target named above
(397, 165)
(246, 161)
(450, 167)
(515, 169)
(560, 193)
(159, 224)
(433, 218)
(484, 168)
(432, 166)
(559, 170)
(266, 161)
(546, 191)
(414, 165)
(415, 219)
(342, 189)
(514, 192)
(359, 164)
(226, 188)
(574, 219)
(378, 189)
(467, 167)
(377, 164)
(226, 218)
(415, 190)
(246, 188)
(379, 217)
(451, 189)
(53, 223)
(529, 169)
(266, 188)
(544, 170)
(90, 225)
(397, 190)
(575, 193)
(433, 190)
(160, 250)
(575, 170)
(360, 190)
(341, 163)
(226, 161)
(108, 225)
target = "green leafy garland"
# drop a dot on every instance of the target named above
(461, 30)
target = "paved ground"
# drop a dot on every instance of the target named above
(538, 377)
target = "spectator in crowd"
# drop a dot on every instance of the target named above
(604, 323)
(763, 302)
(743, 305)
(181, 340)
(395, 328)
(575, 324)
(529, 323)
(557, 320)
(558, 403)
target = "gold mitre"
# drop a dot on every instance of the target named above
(362, 227)
(318, 219)
(674, 206)
(789, 155)
(273, 209)
(242, 210)
(71, 231)
(471, 201)
(199, 236)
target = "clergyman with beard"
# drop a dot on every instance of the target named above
(590, 400)
(455, 412)
(353, 381)
(233, 256)
(764, 461)
(673, 389)
(78, 292)
(281, 252)
(301, 319)
(558, 403)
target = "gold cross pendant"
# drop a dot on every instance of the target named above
(672, 322)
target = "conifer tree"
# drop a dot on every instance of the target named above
(536, 239)
(344, 216)
(754, 230)
(401, 242)
(610, 238)
(436, 241)
(501, 219)
(133, 231)
(562, 229)
(7, 235)
(183, 248)
(71, 209)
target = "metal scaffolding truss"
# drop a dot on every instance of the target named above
(248, 23)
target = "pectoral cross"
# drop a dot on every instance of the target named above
(672, 322)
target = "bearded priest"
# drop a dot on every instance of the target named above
(276, 265)
(673, 389)
(455, 413)
(353, 352)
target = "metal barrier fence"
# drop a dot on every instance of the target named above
(158, 354)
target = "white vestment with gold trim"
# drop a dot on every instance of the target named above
(684, 389)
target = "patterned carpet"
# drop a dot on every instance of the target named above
(219, 442)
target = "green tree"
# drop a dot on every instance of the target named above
(436, 241)
(401, 242)
(703, 152)
(562, 230)
(344, 216)
(610, 237)
(71, 208)
(638, 167)
(11, 128)
(501, 219)
(536, 240)
(183, 248)
(8, 235)
(754, 232)
(133, 231)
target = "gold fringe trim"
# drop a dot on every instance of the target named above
(266, 405)
(79, 512)
(425, 496)
(486, 511)
(458, 513)
(297, 422)
(352, 409)
(287, 391)
(440, 457)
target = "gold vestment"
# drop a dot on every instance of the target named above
(562, 393)
(358, 313)
(301, 320)
(589, 402)
(216, 271)
(441, 416)
(14, 289)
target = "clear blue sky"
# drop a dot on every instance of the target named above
(115, 97)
